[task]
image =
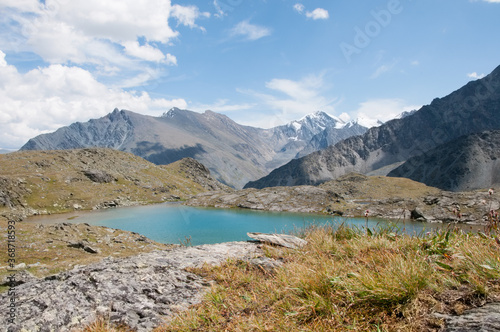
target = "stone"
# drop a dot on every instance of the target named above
(138, 290)
(482, 319)
(99, 176)
(266, 263)
(284, 240)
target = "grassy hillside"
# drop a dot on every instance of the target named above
(49, 249)
(346, 279)
(40, 182)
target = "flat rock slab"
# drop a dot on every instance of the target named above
(483, 319)
(138, 291)
(284, 240)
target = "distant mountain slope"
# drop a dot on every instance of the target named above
(235, 154)
(331, 136)
(471, 109)
(467, 163)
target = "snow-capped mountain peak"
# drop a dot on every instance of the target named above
(170, 113)
(316, 122)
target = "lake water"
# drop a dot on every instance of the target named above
(173, 223)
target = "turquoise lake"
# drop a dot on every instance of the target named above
(173, 223)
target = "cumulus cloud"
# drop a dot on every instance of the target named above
(318, 14)
(250, 31)
(45, 99)
(3, 63)
(145, 52)
(474, 75)
(187, 15)
(287, 100)
(95, 31)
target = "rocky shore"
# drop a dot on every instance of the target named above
(357, 195)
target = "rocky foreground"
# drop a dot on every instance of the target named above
(138, 291)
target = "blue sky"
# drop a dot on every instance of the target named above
(261, 62)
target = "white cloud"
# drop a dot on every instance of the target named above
(221, 106)
(104, 34)
(344, 117)
(145, 52)
(299, 8)
(475, 75)
(45, 99)
(250, 31)
(3, 63)
(381, 70)
(318, 14)
(170, 59)
(369, 112)
(305, 89)
(288, 100)
(187, 15)
(218, 10)
(415, 63)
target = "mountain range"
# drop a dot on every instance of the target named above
(467, 163)
(470, 110)
(235, 154)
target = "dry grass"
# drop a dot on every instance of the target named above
(346, 279)
(102, 324)
(46, 246)
(360, 186)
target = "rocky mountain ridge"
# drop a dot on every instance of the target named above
(471, 109)
(235, 154)
(467, 163)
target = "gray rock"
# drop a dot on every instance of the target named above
(284, 240)
(99, 176)
(266, 263)
(483, 319)
(138, 291)
(84, 246)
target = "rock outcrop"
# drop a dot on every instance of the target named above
(284, 240)
(353, 194)
(481, 319)
(137, 291)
